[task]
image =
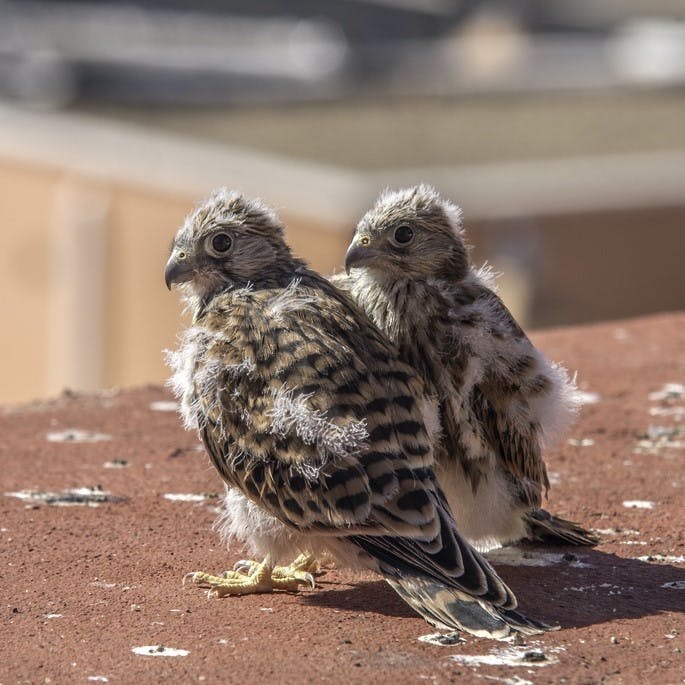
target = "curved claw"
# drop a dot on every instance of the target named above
(309, 578)
(245, 566)
(191, 576)
(287, 573)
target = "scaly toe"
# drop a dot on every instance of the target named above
(260, 579)
(302, 568)
(287, 574)
(307, 563)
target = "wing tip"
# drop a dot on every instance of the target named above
(450, 609)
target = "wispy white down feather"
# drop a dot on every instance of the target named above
(290, 300)
(187, 382)
(245, 523)
(292, 413)
(558, 409)
(487, 275)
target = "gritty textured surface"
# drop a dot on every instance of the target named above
(82, 586)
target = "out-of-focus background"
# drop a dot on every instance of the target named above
(558, 126)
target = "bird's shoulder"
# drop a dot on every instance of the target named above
(301, 302)
(279, 355)
(476, 307)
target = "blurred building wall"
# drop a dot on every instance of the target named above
(84, 300)
(588, 266)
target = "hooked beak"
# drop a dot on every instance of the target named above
(359, 255)
(179, 269)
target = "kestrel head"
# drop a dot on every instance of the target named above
(413, 233)
(227, 240)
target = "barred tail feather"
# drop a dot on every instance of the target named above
(448, 560)
(545, 528)
(449, 609)
(448, 583)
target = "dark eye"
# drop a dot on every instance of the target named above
(403, 234)
(221, 242)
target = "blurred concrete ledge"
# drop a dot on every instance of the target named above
(89, 206)
(109, 150)
(512, 189)
(104, 150)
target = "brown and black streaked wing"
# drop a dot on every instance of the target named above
(377, 488)
(500, 401)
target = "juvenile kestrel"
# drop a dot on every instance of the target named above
(318, 429)
(500, 400)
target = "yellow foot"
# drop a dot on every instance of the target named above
(303, 566)
(262, 578)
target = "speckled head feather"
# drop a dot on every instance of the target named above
(421, 201)
(229, 241)
(412, 231)
(230, 207)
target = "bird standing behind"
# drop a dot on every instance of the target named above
(500, 400)
(318, 429)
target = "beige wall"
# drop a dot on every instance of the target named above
(24, 279)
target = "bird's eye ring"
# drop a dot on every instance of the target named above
(364, 240)
(403, 234)
(221, 243)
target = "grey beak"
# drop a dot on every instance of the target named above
(178, 269)
(359, 255)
